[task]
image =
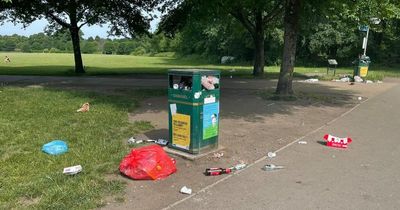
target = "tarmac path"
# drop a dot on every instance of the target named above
(363, 176)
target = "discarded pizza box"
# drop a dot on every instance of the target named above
(334, 141)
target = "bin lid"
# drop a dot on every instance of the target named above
(193, 71)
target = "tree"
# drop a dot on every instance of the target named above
(291, 24)
(253, 15)
(125, 16)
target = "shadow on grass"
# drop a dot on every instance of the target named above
(249, 99)
(158, 70)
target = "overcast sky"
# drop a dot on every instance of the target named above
(39, 25)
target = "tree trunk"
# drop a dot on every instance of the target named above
(258, 37)
(291, 22)
(74, 30)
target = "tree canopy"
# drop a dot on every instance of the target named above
(253, 15)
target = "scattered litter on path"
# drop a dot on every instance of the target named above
(379, 82)
(56, 147)
(334, 141)
(302, 142)
(358, 79)
(369, 82)
(239, 166)
(147, 163)
(218, 155)
(271, 154)
(271, 167)
(72, 170)
(186, 190)
(217, 171)
(311, 80)
(85, 108)
(161, 142)
(359, 98)
(220, 171)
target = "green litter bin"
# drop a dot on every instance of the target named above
(361, 66)
(193, 99)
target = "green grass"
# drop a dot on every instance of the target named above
(98, 64)
(31, 117)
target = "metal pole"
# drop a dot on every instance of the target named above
(366, 41)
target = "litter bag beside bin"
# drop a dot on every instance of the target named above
(147, 163)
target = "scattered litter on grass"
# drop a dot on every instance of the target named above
(56, 147)
(358, 79)
(161, 142)
(311, 80)
(186, 190)
(344, 78)
(271, 154)
(271, 167)
(72, 170)
(85, 108)
(147, 163)
(132, 140)
(218, 155)
(333, 141)
(302, 142)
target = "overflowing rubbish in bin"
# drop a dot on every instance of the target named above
(193, 100)
(361, 66)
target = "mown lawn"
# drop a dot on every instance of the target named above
(31, 117)
(98, 64)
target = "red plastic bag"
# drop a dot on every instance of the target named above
(149, 162)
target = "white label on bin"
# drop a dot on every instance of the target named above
(173, 109)
(209, 100)
(197, 95)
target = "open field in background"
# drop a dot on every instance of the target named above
(98, 64)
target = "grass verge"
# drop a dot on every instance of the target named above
(31, 117)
